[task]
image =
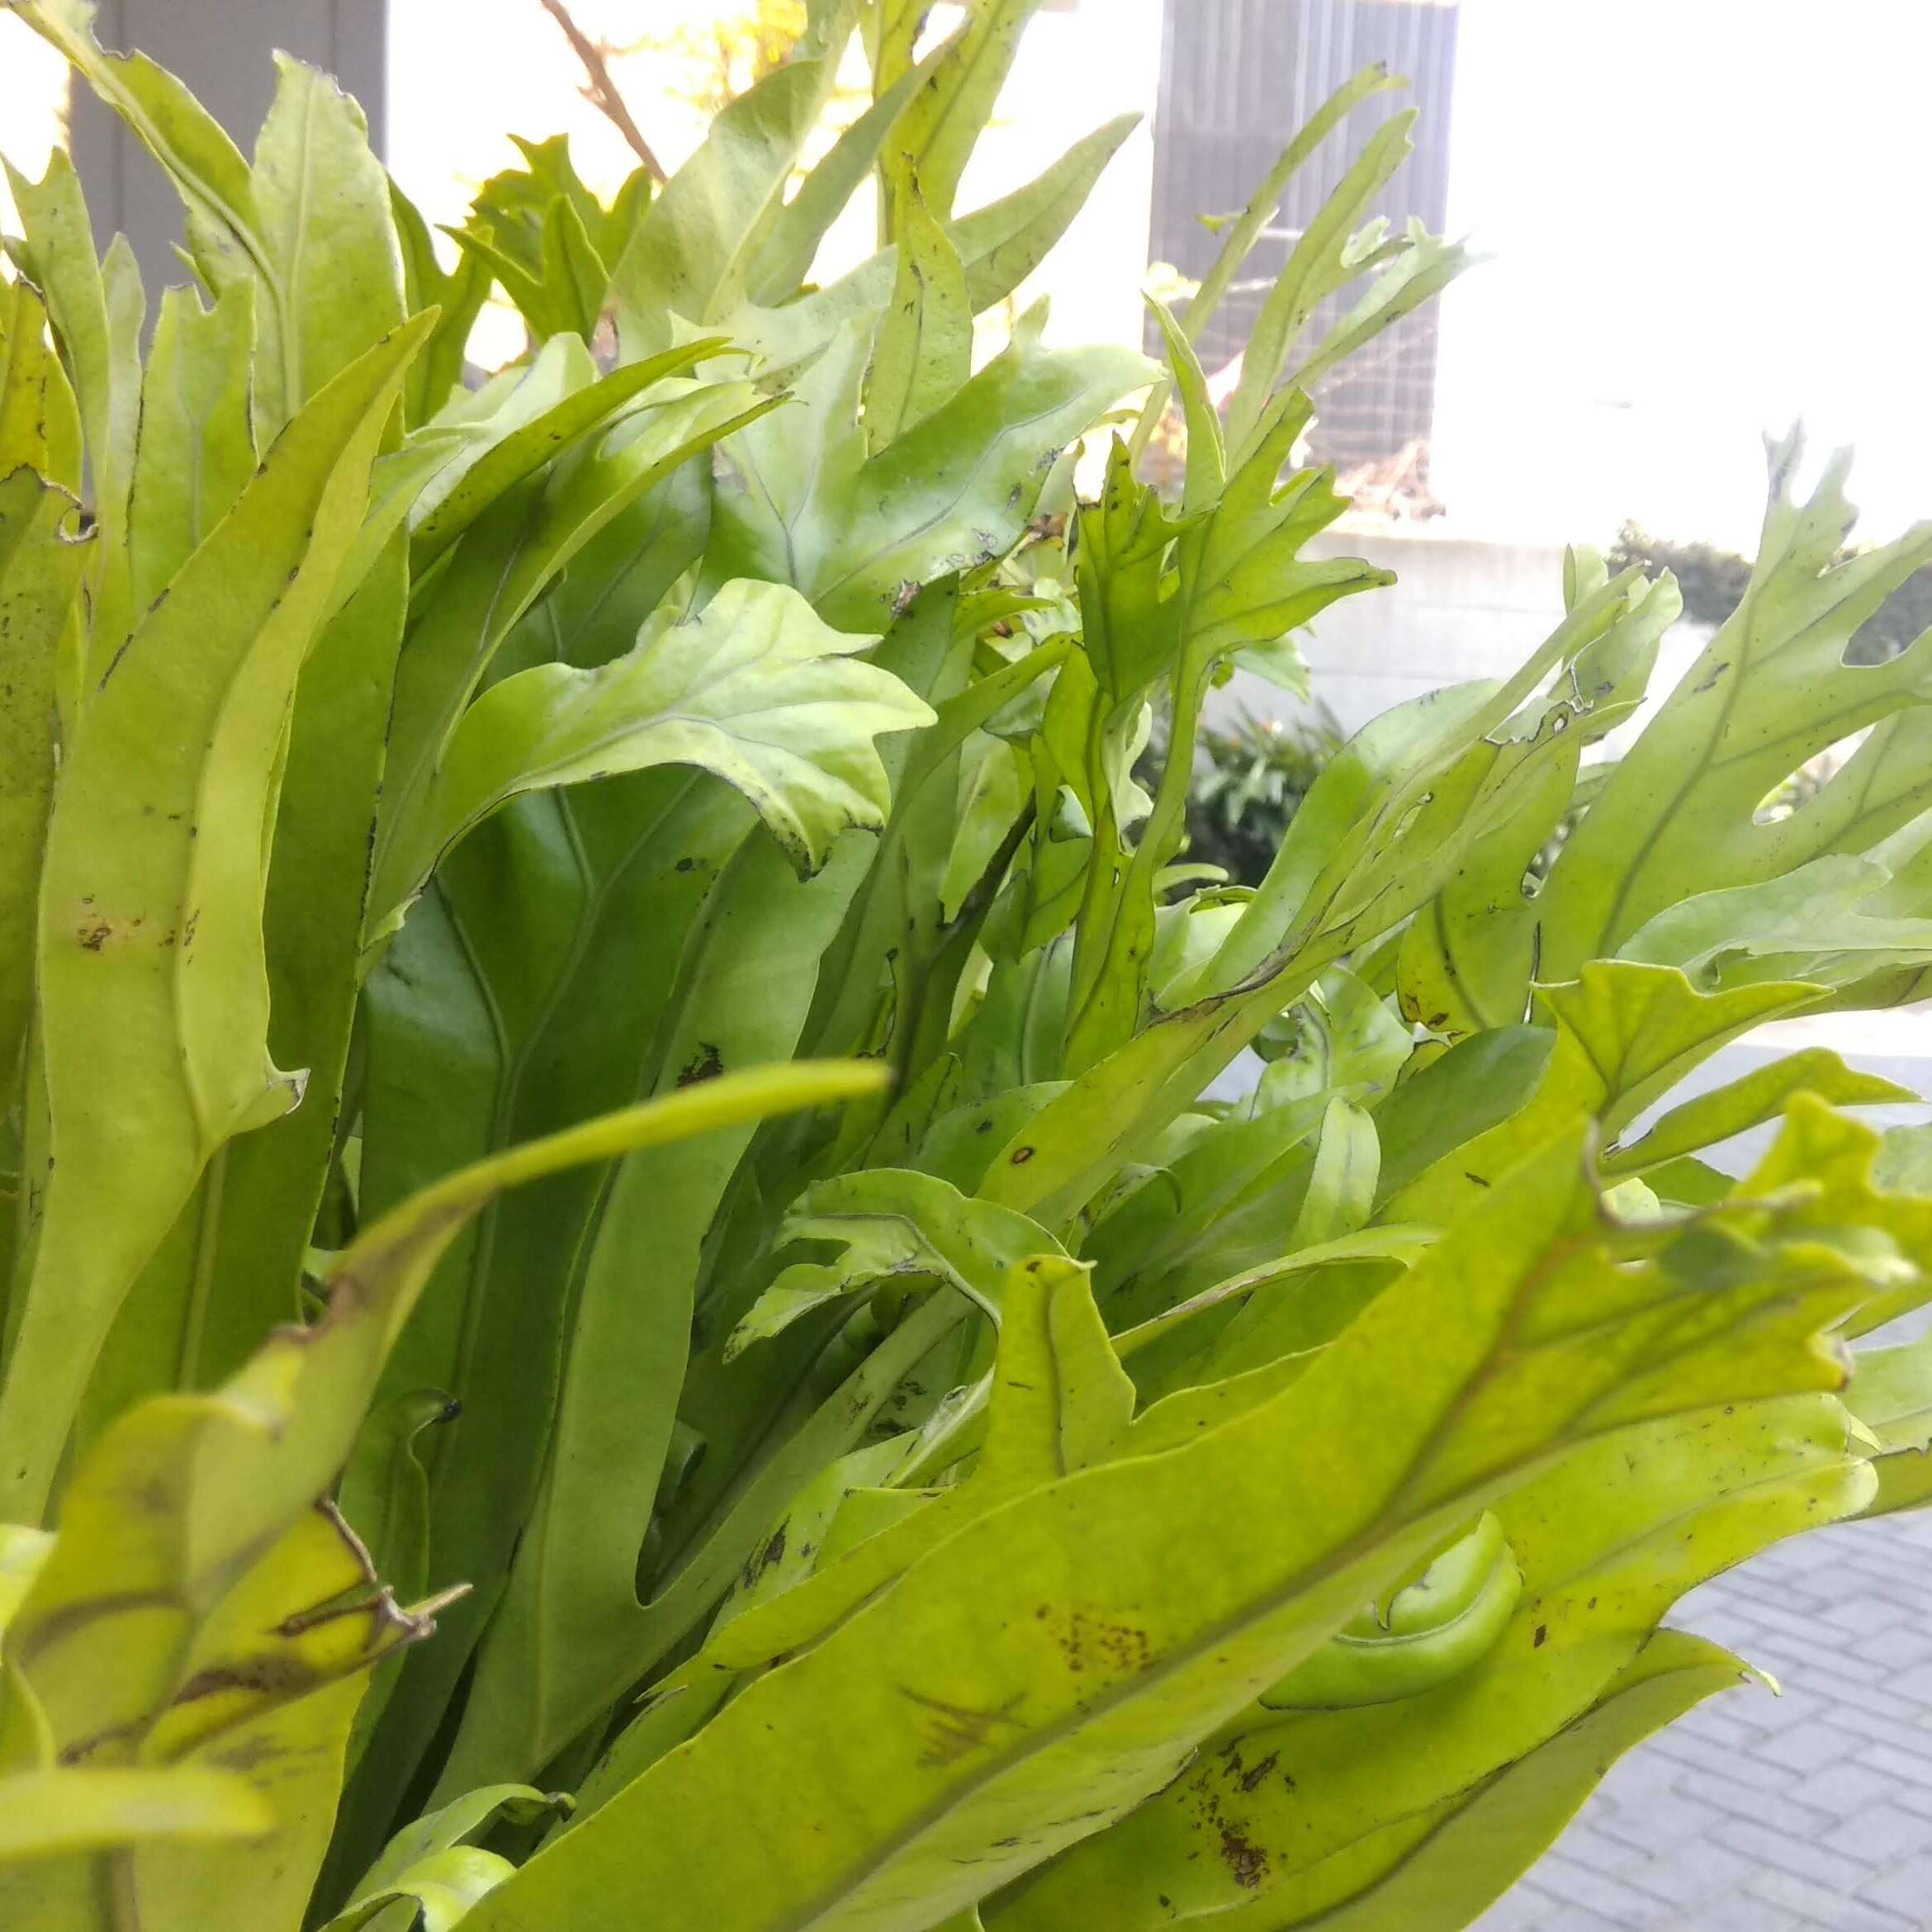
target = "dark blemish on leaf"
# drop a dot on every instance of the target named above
(114, 662)
(984, 1127)
(92, 938)
(764, 1558)
(1243, 1857)
(1717, 672)
(1541, 1637)
(266, 1675)
(1021, 1156)
(903, 596)
(686, 865)
(707, 1063)
(82, 1749)
(958, 1729)
(1476, 1178)
(248, 1753)
(1253, 1775)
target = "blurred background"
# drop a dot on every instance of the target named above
(1700, 215)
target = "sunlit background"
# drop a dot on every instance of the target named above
(1703, 213)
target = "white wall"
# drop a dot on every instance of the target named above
(1704, 214)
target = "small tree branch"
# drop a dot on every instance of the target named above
(601, 91)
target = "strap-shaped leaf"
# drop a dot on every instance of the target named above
(1761, 1095)
(153, 985)
(572, 1630)
(1584, 1562)
(40, 421)
(458, 298)
(1000, 245)
(755, 688)
(196, 449)
(1243, 232)
(507, 558)
(1677, 817)
(1835, 921)
(924, 350)
(307, 226)
(97, 309)
(791, 243)
(860, 535)
(939, 131)
(456, 1824)
(893, 1223)
(1439, 1872)
(42, 555)
(695, 252)
(1466, 960)
(63, 1812)
(1329, 254)
(560, 400)
(1626, 1034)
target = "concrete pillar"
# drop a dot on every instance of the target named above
(223, 49)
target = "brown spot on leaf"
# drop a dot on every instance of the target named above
(1243, 1857)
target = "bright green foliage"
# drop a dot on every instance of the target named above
(622, 1302)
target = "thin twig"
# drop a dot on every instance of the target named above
(601, 92)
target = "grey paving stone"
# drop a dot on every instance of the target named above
(1846, 1789)
(1809, 1746)
(1898, 1648)
(1879, 1834)
(1706, 1871)
(1738, 1913)
(1907, 1890)
(1786, 1851)
(1574, 1884)
(1819, 1906)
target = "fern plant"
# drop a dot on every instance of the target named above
(622, 1307)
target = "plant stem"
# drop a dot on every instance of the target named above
(600, 90)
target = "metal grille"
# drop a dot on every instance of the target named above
(1238, 77)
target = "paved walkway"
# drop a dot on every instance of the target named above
(1809, 1812)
